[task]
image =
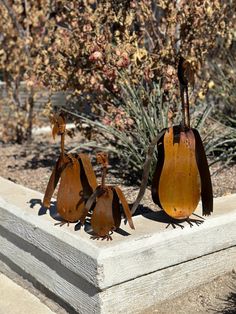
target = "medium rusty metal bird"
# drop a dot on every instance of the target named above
(76, 175)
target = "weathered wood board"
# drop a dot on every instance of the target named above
(146, 291)
(137, 269)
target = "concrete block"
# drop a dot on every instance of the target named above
(136, 270)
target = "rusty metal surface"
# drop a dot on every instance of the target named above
(181, 177)
(70, 201)
(182, 172)
(103, 221)
(125, 205)
(206, 185)
(88, 174)
(78, 192)
(53, 181)
(105, 205)
(178, 188)
(76, 175)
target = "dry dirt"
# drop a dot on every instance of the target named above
(30, 164)
(218, 296)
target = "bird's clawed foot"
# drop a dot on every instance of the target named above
(105, 237)
(62, 223)
(197, 222)
(174, 224)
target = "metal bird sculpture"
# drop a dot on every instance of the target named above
(105, 205)
(76, 175)
(182, 174)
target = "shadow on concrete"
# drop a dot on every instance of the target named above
(53, 213)
(64, 272)
(146, 212)
(43, 210)
(88, 229)
(162, 217)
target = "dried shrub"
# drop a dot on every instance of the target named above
(82, 46)
(21, 32)
(89, 42)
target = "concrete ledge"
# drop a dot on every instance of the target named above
(134, 271)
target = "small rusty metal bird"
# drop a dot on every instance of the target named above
(105, 205)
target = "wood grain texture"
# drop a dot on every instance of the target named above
(49, 273)
(146, 290)
(52, 241)
(152, 252)
(135, 296)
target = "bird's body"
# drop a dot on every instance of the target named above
(177, 185)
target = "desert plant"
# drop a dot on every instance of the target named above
(82, 46)
(220, 142)
(223, 92)
(90, 43)
(128, 127)
(130, 124)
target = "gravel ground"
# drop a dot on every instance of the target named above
(30, 164)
